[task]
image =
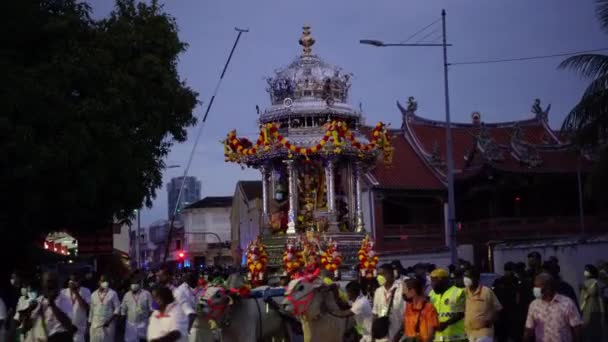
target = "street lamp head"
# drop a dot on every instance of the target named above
(372, 42)
(172, 166)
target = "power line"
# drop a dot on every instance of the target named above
(517, 59)
(428, 35)
(420, 31)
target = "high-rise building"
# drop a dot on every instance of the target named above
(191, 193)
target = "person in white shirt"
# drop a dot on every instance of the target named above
(48, 317)
(165, 323)
(3, 321)
(27, 295)
(104, 309)
(80, 299)
(137, 307)
(362, 311)
(185, 297)
(389, 288)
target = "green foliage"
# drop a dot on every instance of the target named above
(587, 122)
(89, 111)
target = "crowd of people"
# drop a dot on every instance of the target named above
(421, 303)
(424, 304)
(158, 306)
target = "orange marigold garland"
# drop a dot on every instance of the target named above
(256, 261)
(336, 133)
(293, 259)
(331, 259)
(368, 260)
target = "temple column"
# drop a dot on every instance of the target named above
(331, 195)
(265, 199)
(293, 193)
(359, 226)
(350, 194)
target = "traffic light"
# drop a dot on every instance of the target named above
(181, 255)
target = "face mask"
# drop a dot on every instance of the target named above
(396, 274)
(134, 287)
(278, 196)
(381, 280)
(468, 282)
(538, 292)
(13, 281)
(23, 291)
(104, 285)
(587, 274)
(32, 295)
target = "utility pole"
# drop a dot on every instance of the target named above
(581, 208)
(449, 151)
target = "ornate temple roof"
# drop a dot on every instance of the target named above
(525, 146)
(308, 85)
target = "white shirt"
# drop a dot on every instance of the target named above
(363, 316)
(2, 310)
(43, 312)
(22, 304)
(103, 307)
(381, 298)
(79, 313)
(137, 307)
(163, 324)
(185, 297)
(3, 317)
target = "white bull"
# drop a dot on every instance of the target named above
(314, 303)
(240, 320)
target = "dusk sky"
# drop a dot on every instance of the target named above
(478, 29)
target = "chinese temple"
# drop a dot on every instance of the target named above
(513, 180)
(312, 153)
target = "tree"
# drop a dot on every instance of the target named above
(90, 108)
(588, 120)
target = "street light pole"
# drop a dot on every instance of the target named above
(451, 231)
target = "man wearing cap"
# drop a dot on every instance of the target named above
(449, 301)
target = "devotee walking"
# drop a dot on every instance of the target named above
(80, 299)
(552, 317)
(481, 308)
(165, 323)
(388, 301)
(592, 307)
(104, 309)
(47, 318)
(420, 320)
(449, 301)
(137, 307)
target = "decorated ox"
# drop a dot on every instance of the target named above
(230, 316)
(315, 304)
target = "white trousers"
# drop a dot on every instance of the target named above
(79, 336)
(101, 334)
(481, 339)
